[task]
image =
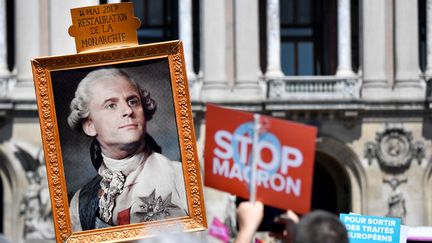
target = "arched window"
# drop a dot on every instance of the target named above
(331, 186)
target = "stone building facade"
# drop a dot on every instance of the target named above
(357, 70)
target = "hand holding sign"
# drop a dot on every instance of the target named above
(255, 152)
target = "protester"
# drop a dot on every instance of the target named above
(320, 226)
(316, 226)
(249, 216)
(289, 221)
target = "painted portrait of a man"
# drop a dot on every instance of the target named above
(133, 181)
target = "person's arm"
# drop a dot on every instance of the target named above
(289, 220)
(249, 216)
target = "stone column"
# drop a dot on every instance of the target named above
(375, 86)
(408, 84)
(214, 64)
(344, 39)
(185, 27)
(186, 36)
(27, 45)
(246, 59)
(273, 40)
(429, 37)
(61, 42)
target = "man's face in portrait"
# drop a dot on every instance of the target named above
(116, 114)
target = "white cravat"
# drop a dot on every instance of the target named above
(114, 174)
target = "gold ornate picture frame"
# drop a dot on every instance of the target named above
(160, 67)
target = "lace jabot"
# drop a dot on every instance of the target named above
(114, 173)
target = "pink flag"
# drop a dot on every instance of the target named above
(219, 230)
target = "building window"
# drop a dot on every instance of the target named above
(262, 7)
(355, 35)
(196, 38)
(297, 35)
(422, 34)
(308, 37)
(159, 20)
(308, 31)
(10, 36)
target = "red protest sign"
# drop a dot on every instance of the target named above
(284, 167)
